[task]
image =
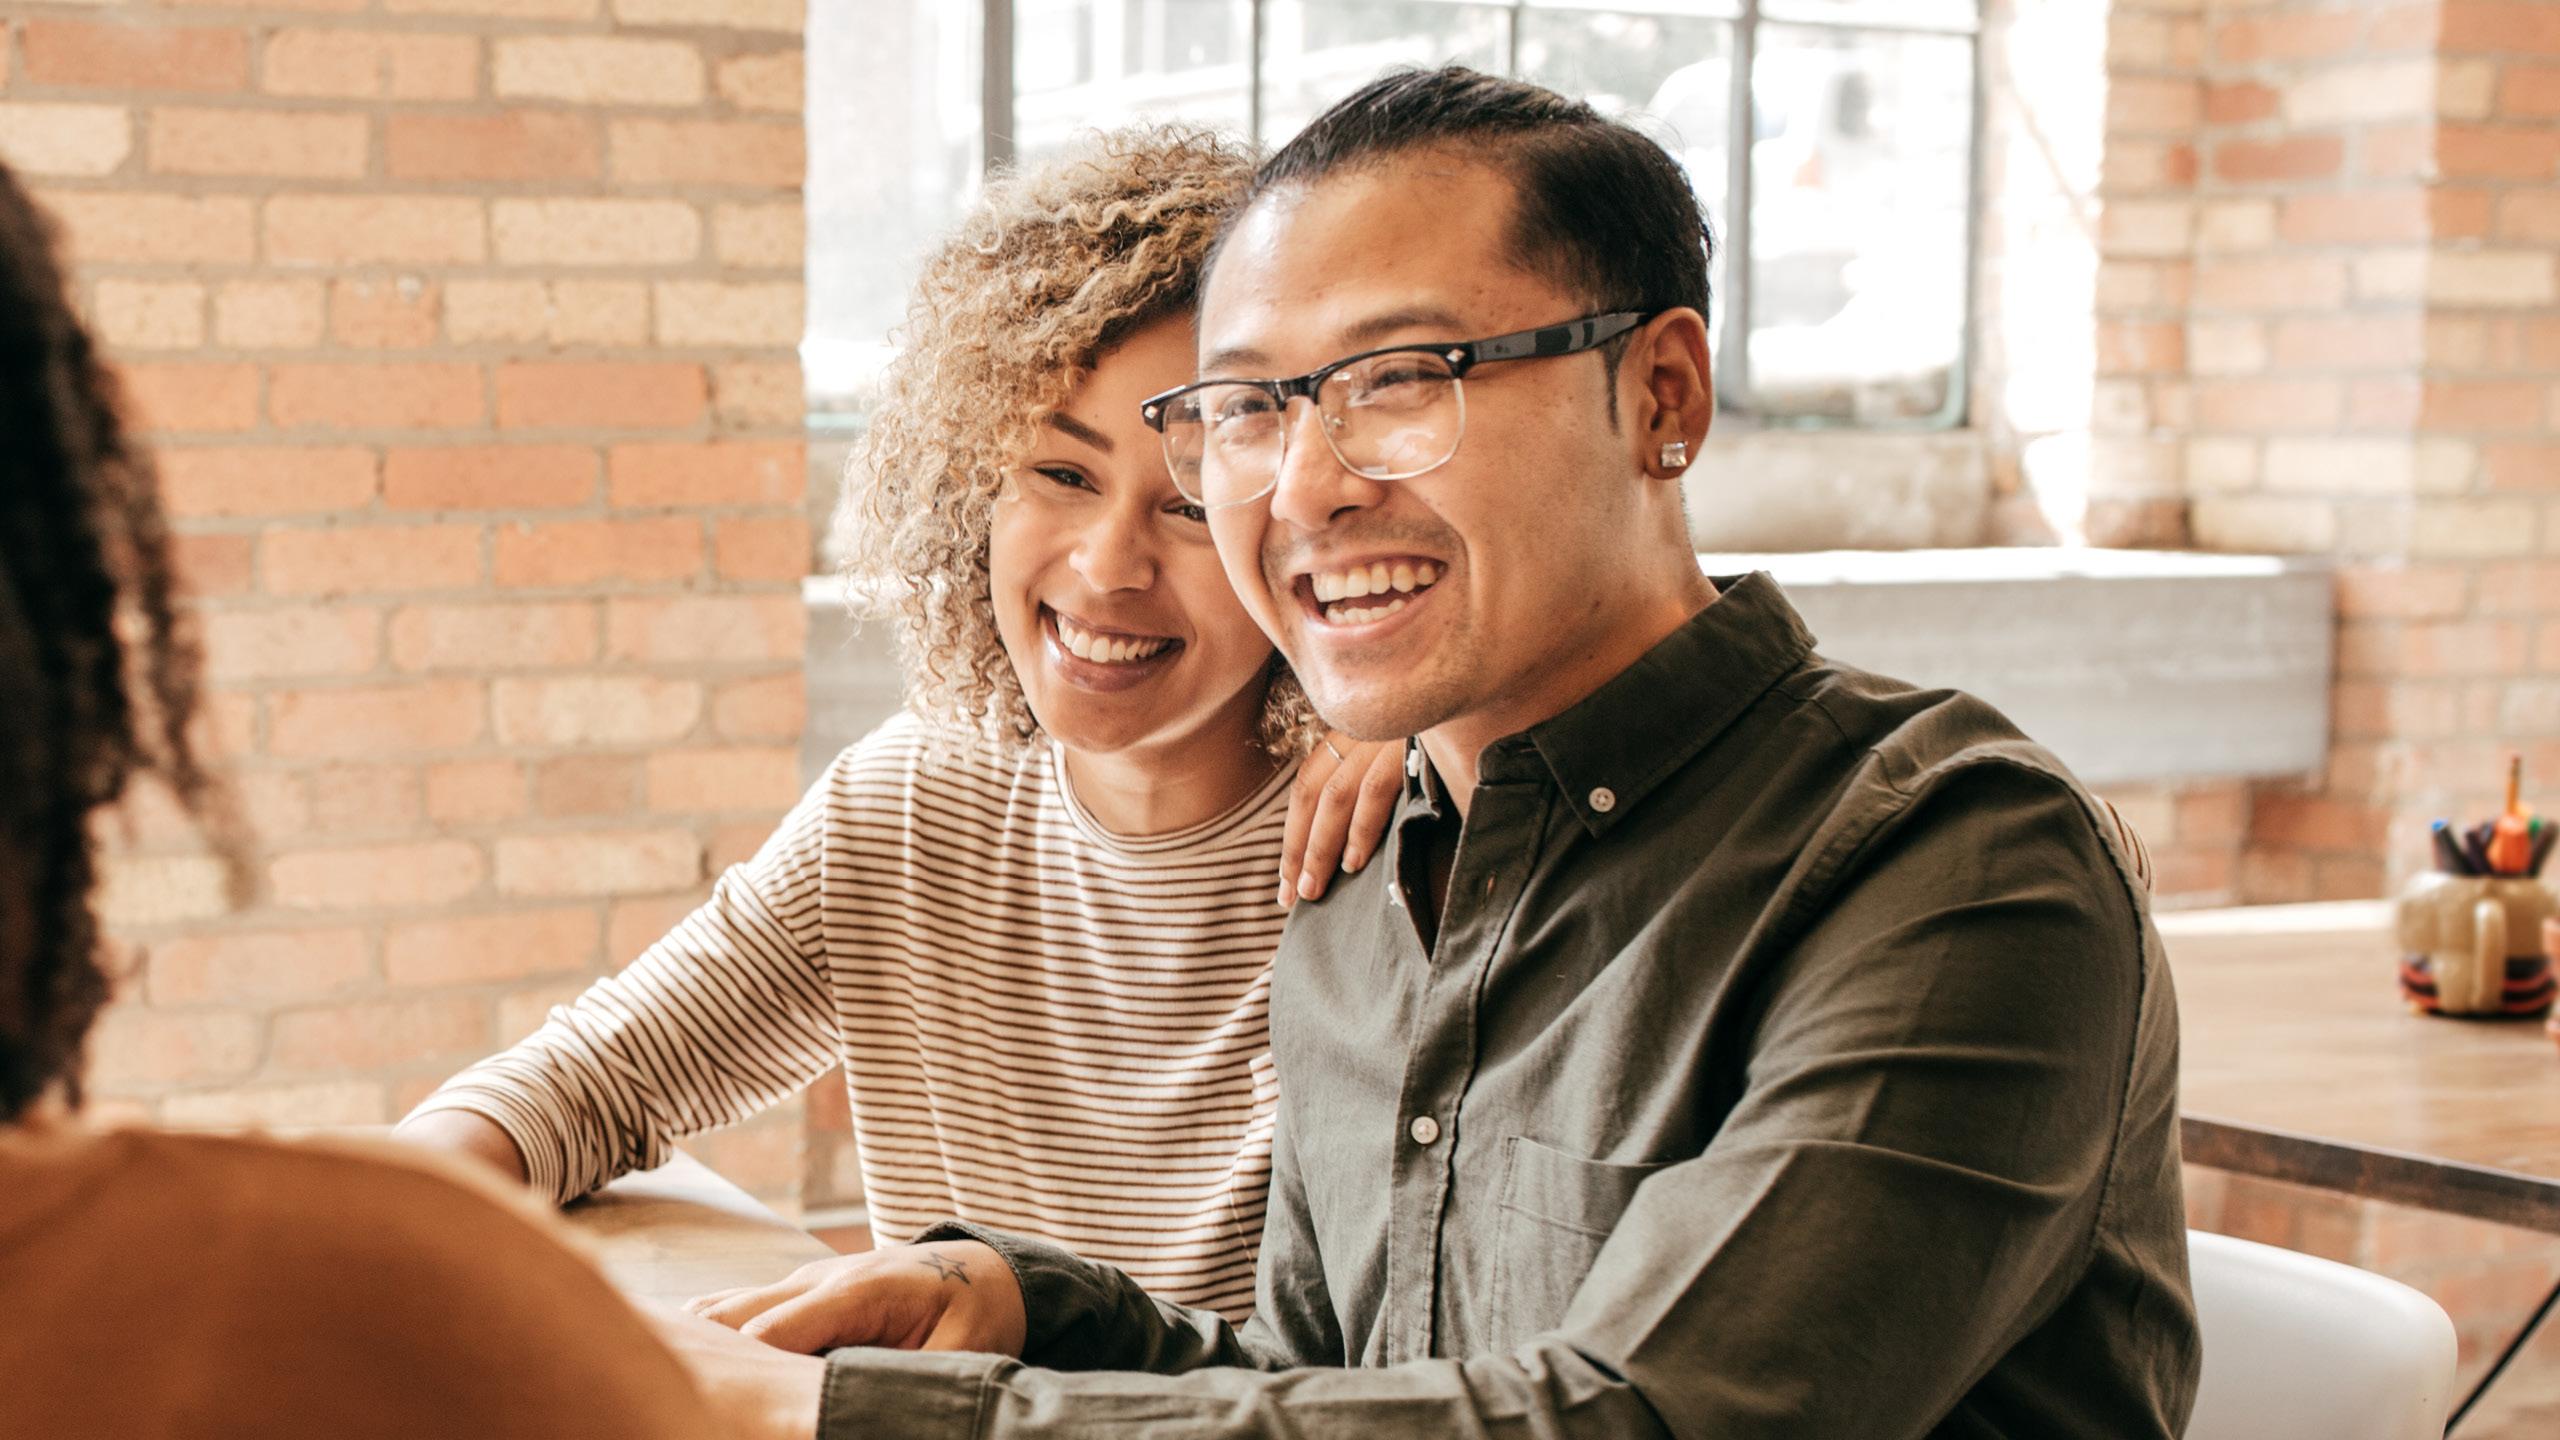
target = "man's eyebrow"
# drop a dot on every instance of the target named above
(1357, 337)
(1081, 431)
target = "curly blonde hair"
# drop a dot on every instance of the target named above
(1053, 268)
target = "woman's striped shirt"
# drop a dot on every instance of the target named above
(1044, 1027)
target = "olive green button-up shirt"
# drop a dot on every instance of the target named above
(1794, 1057)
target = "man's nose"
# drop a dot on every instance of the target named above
(1314, 486)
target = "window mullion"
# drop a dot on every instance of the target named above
(1733, 350)
(995, 86)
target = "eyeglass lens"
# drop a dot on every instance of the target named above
(1388, 417)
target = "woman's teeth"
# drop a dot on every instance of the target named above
(1374, 579)
(1398, 578)
(1105, 649)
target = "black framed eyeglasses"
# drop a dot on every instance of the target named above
(1387, 414)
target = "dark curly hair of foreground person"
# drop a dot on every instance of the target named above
(100, 671)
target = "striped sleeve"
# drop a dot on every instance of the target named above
(727, 1015)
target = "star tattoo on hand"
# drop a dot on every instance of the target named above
(945, 1267)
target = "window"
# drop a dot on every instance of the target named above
(1843, 274)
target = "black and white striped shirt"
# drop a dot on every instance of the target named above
(1044, 1027)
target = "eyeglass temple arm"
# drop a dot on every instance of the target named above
(1563, 339)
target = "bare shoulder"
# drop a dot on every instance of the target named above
(465, 1306)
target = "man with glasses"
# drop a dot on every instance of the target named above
(1729, 1043)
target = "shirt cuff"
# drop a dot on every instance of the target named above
(905, 1394)
(1060, 1291)
(543, 1171)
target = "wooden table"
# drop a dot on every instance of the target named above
(2300, 1063)
(680, 1230)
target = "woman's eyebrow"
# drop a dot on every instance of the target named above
(1079, 430)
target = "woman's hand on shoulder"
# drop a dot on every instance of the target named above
(949, 1295)
(1339, 809)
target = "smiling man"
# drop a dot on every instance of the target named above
(1730, 1043)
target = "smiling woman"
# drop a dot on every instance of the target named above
(1031, 921)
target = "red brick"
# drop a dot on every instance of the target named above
(704, 628)
(200, 481)
(105, 55)
(376, 230)
(2270, 405)
(475, 792)
(775, 548)
(246, 969)
(2500, 27)
(599, 862)
(774, 80)
(2149, 106)
(121, 227)
(384, 314)
(375, 721)
(587, 785)
(133, 1048)
(735, 843)
(511, 145)
(477, 949)
(329, 1103)
(178, 397)
(2241, 102)
(759, 778)
(759, 393)
(768, 707)
(2294, 35)
(2529, 92)
(378, 877)
(2398, 152)
(521, 1012)
(2478, 405)
(2523, 465)
(2365, 216)
(370, 559)
(424, 395)
(364, 65)
(374, 1034)
(2530, 215)
(217, 564)
(2270, 284)
(585, 552)
(2494, 153)
(2302, 822)
(492, 637)
(489, 477)
(2298, 157)
(292, 642)
(297, 144)
(2388, 404)
(738, 472)
(2524, 587)
(2463, 648)
(595, 710)
(2350, 342)
(2431, 593)
(599, 394)
(764, 154)
(364, 800)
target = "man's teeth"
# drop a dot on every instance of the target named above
(1362, 615)
(1375, 579)
(1105, 649)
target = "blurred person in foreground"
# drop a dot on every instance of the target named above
(1728, 1043)
(183, 1286)
(1030, 918)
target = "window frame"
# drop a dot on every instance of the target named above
(1746, 17)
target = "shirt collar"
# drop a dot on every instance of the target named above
(1652, 717)
(1608, 752)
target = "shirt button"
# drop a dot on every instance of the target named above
(1425, 1130)
(1604, 800)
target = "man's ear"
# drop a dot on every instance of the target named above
(1674, 401)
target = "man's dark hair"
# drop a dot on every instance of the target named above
(98, 665)
(1603, 210)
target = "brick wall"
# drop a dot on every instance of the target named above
(466, 330)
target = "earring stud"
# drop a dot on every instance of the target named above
(1675, 455)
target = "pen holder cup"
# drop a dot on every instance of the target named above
(2475, 945)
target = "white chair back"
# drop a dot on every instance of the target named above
(2299, 1348)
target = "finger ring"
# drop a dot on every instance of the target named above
(1327, 742)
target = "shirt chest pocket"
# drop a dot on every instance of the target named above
(1556, 1213)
